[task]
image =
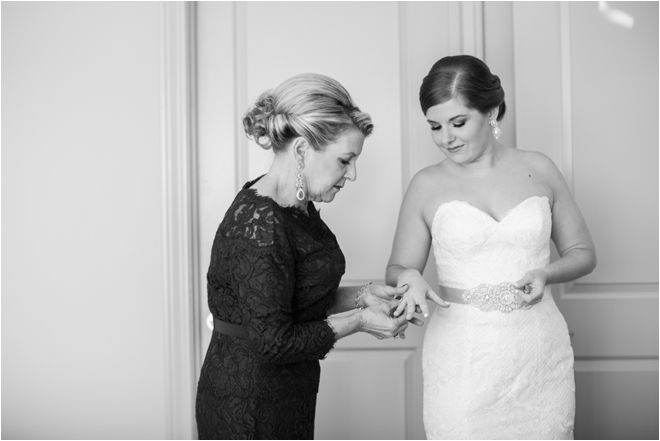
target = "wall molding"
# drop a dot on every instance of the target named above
(240, 96)
(466, 28)
(609, 291)
(407, 171)
(566, 95)
(616, 364)
(180, 228)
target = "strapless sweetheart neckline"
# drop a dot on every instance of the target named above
(486, 214)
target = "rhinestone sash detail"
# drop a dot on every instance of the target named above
(501, 297)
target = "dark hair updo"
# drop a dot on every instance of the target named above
(464, 77)
(311, 106)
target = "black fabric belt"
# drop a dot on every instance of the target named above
(229, 328)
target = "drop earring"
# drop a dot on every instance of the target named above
(300, 194)
(496, 130)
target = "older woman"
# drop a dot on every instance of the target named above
(498, 363)
(276, 266)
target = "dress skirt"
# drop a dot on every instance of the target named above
(498, 375)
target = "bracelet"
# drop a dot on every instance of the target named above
(360, 293)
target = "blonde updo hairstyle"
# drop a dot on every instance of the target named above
(312, 106)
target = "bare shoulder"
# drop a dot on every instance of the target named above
(545, 171)
(535, 160)
(427, 189)
(426, 179)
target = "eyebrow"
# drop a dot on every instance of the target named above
(450, 120)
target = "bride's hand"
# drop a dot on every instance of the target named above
(531, 286)
(377, 294)
(415, 298)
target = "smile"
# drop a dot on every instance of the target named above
(454, 149)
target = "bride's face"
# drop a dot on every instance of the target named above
(463, 134)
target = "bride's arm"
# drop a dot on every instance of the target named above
(569, 233)
(410, 251)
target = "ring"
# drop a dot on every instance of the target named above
(526, 289)
(396, 336)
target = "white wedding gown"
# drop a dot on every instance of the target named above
(494, 374)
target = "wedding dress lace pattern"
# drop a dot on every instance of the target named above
(274, 271)
(494, 374)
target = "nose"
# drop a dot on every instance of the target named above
(448, 137)
(351, 172)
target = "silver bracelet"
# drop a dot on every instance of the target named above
(362, 291)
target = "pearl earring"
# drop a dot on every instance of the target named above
(496, 130)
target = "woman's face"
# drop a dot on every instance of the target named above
(327, 171)
(462, 134)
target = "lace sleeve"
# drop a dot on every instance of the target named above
(265, 281)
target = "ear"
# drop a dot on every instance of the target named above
(300, 147)
(492, 115)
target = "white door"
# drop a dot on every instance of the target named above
(379, 51)
(587, 96)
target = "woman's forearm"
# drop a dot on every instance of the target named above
(347, 325)
(344, 299)
(572, 265)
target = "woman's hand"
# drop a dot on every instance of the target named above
(377, 294)
(414, 300)
(532, 286)
(379, 322)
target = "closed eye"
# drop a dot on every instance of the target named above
(455, 125)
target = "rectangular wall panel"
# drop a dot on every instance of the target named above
(363, 395)
(614, 82)
(634, 412)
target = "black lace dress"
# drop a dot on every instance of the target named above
(274, 270)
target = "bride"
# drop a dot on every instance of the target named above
(497, 359)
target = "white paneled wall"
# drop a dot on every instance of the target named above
(83, 332)
(559, 102)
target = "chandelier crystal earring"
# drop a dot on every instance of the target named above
(496, 130)
(300, 194)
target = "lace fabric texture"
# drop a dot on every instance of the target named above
(273, 270)
(493, 374)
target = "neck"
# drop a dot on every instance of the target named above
(488, 158)
(280, 183)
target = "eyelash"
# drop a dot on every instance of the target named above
(344, 163)
(455, 125)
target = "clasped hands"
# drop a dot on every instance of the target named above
(378, 318)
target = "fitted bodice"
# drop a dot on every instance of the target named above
(471, 248)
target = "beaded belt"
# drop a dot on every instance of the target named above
(500, 297)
